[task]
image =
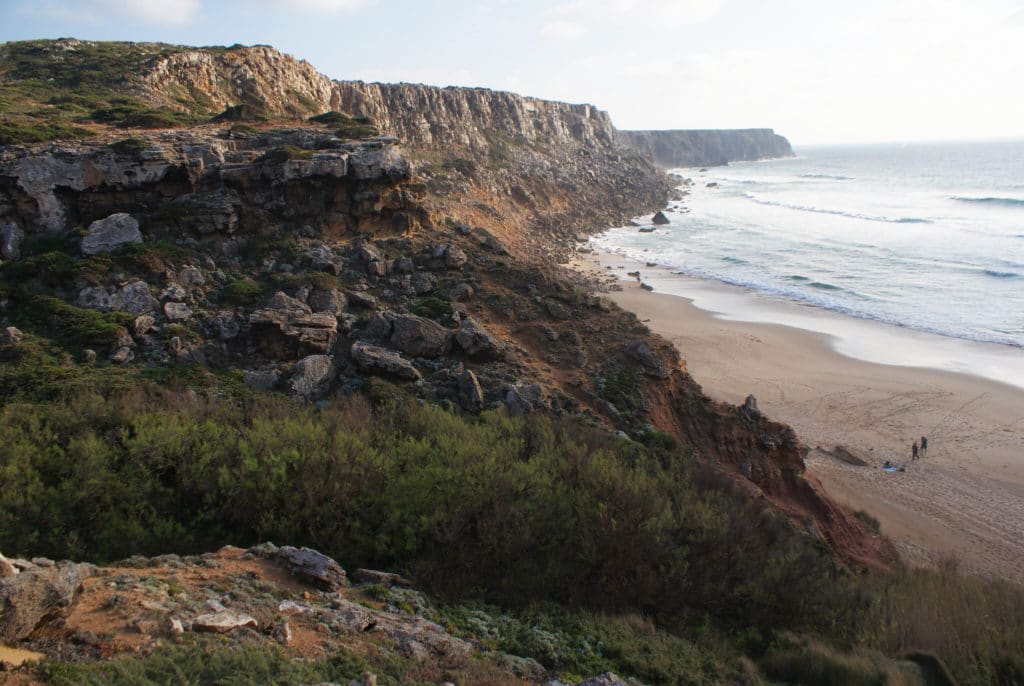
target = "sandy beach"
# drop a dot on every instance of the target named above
(964, 498)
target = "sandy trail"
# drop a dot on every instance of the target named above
(965, 498)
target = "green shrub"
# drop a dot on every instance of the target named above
(284, 153)
(129, 146)
(432, 307)
(241, 291)
(137, 116)
(73, 324)
(27, 133)
(334, 118)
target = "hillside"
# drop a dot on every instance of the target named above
(235, 312)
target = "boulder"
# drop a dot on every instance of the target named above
(11, 236)
(322, 258)
(142, 325)
(557, 310)
(362, 299)
(418, 337)
(523, 398)
(477, 342)
(191, 276)
(37, 594)
(660, 218)
(6, 568)
(642, 353)
(460, 292)
(11, 336)
(288, 329)
(223, 621)
(311, 376)
(750, 407)
(370, 258)
(455, 257)
(422, 283)
(111, 233)
(471, 396)
(95, 298)
(376, 360)
(332, 301)
(135, 298)
(225, 325)
(314, 567)
(174, 292)
(372, 576)
(177, 312)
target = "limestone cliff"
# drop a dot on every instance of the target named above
(473, 117)
(706, 148)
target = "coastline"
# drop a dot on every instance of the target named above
(965, 498)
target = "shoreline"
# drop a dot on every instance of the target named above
(965, 498)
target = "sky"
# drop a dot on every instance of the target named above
(817, 71)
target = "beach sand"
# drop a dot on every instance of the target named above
(964, 498)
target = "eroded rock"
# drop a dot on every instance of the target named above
(376, 360)
(111, 233)
(314, 566)
(288, 329)
(223, 621)
(37, 594)
(477, 342)
(311, 376)
(418, 337)
(471, 396)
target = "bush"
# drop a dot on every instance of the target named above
(27, 133)
(241, 291)
(284, 153)
(511, 509)
(129, 146)
(432, 307)
(334, 118)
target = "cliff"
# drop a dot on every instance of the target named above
(706, 148)
(472, 117)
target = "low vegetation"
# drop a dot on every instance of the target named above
(525, 513)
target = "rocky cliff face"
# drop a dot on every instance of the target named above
(472, 117)
(706, 148)
(261, 77)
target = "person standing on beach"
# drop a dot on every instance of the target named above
(913, 451)
(924, 445)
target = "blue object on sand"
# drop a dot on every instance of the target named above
(890, 469)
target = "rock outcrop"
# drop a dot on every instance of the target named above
(706, 148)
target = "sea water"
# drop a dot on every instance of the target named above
(926, 237)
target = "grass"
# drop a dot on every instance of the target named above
(208, 661)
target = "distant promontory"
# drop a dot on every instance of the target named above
(706, 147)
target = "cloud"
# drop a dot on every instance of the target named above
(575, 17)
(318, 5)
(154, 11)
(174, 12)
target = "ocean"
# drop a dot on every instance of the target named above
(925, 237)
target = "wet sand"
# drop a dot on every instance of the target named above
(965, 497)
